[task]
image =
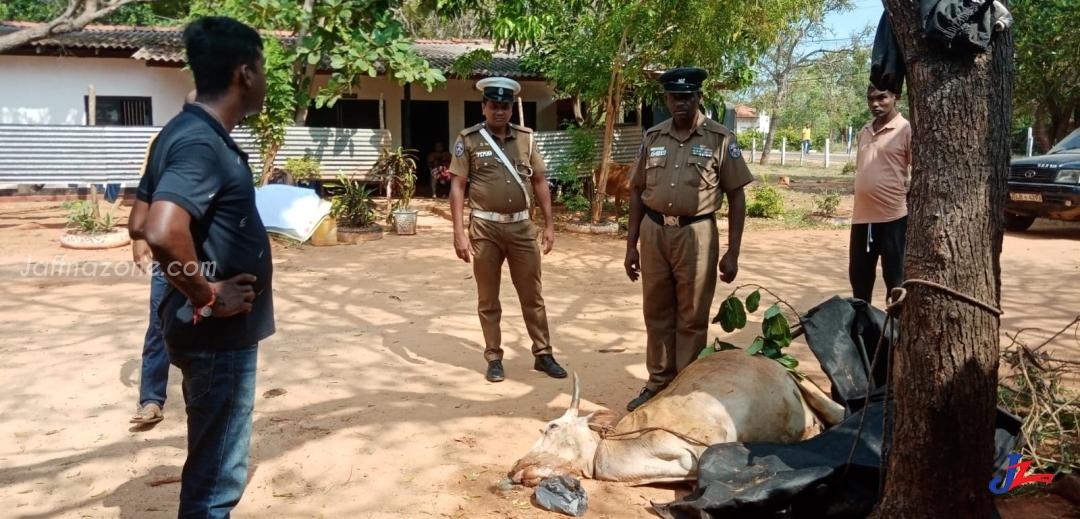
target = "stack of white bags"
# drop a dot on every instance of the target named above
(294, 212)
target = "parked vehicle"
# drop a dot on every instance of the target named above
(1045, 186)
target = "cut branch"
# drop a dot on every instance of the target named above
(67, 22)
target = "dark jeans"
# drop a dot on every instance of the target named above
(868, 242)
(155, 360)
(219, 391)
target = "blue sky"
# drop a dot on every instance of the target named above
(844, 24)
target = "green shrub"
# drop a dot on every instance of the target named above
(827, 203)
(793, 136)
(849, 168)
(766, 201)
(303, 169)
(746, 139)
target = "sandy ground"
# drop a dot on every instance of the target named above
(385, 412)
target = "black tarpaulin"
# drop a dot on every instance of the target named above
(963, 25)
(960, 27)
(811, 479)
(887, 67)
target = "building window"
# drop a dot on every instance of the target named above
(121, 111)
(346, 113)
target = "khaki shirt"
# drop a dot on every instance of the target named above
(882, 172)
(491, 186)
(688, 178)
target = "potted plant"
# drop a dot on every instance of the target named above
(304, 171)
(87, 228)
(353, 211)
(398, 169)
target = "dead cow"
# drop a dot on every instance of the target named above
(618, 185)
(728, 396)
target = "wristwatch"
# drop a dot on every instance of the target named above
(206, 310)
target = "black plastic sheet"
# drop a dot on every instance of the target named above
(812, 478)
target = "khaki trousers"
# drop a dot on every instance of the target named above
(678, 276)
(493, 242)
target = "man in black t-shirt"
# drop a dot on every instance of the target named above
(196, 209)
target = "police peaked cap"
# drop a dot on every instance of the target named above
(499, 89)
(686, 80)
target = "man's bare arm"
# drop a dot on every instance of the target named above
(167, 230)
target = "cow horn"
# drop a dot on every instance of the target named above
(576, 399)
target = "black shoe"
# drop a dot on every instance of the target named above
(645, 395)
(495, 371)
(547, 364)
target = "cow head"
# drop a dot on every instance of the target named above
(567, 445)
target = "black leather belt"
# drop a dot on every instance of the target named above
(675, 221)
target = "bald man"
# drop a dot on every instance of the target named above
(155, 361)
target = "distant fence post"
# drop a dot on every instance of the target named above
(753, 148)
(826, 153)
(783, 151)
(1030, 142)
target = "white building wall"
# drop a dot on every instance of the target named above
(51, 90)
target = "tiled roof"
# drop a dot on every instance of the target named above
(165, 44)
(745, 112)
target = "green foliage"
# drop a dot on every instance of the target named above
(81, 215)
(131, 14)
(747, 139)
(352, 39)
(794, 139)
(303, 169)
(351, 203)
(398, 169)
(766, 201)
(279, 107)
(775, 330)
(575, 172)
(578, 44)
(827, 203)
(1047, 36)
(850, 168)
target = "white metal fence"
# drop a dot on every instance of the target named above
(83, 155)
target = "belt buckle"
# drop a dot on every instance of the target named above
(671, 220)
(506, 218)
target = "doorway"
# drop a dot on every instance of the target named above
(428, 124)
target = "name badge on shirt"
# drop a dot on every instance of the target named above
(701, 151)
(483, 154)
(659, 151)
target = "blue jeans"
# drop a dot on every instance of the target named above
(219, 391)
(155, 361)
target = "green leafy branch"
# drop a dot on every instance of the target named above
(775, 330)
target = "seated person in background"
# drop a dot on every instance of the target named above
(438, 162)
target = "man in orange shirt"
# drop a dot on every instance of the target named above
(879, 219)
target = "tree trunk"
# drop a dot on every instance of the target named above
(268, 164)
(301, 69)
(781, 94)
(615, 91)
(945, 363)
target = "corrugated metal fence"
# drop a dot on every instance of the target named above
(36, 154)
(555, 146)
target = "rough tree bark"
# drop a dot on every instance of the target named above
(946, 359)
(78, 14)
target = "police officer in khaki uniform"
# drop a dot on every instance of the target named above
(685, 167)
(499, 224)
